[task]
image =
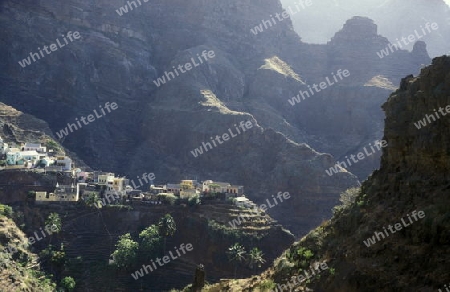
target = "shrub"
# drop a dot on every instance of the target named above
(6, 210)
(194, 201)
(347, 199)
(68, 283)
(267, 285)
(167, 198)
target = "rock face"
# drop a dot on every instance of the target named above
(421, 154)
(414, 176)
(251, 78)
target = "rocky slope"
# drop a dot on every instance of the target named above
(19, 271)
(413, 177)
(251, 78)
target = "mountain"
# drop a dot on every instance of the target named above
(397, 224)
(242, 76)
(396, 19)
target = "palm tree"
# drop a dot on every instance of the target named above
(255, 258)
(167, 227)
(53, 220)
(236, 254)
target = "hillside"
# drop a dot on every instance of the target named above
(413, 179)
(19, 271)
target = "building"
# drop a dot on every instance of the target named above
(189, 193)
(46, 162)
(173, 188)
(188, 189)
(102, 178)
(13, 156)
(235, 189)
(243, 202)
(210, 186)
(34, 147)
(31, 156)
(62, 193)
(157, 189)
(65, 162)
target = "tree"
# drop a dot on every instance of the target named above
(93, 200)
(126, 251)
(194, 201)
(167, 198)
(236, 254)
(255, 258)
(68, 283)
(53, 221)
(6, 210)
(167, 227)
(53, 259)
(151, 241)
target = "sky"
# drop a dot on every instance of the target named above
(448, 2)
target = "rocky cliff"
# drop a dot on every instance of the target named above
(413, 178)
(251, 78)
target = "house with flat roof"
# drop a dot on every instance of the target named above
(34, 147)
(62, 193)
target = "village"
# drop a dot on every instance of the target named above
(105, 188)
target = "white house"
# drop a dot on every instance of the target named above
(65, 162)
(243, 202)
(34, 147)
(30, 155)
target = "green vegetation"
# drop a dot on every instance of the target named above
(255, 258)
(267, 285)
(149, 245)
(6, 210)
(151, 241)
(167, 227)
(236, 253)
(217, 230)
(167, 198)
(347, 199)
(126, 251)
(53, 220)
(53, 260)
(68, 284)
(52, 145)
(332, 271)
(194, 201)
